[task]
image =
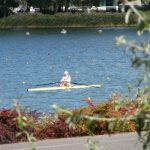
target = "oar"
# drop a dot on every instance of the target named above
(47, 83)
(96, 86)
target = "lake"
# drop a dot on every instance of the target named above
(41, 57)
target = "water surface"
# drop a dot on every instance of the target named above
(43, 56)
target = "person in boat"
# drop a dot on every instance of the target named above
(66, 79)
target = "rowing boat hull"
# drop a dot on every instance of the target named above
(63, 88)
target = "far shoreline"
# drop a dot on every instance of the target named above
(93, 20)
(67, 27)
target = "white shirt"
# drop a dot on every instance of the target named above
(66, 78)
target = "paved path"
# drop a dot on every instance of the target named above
(127, 141)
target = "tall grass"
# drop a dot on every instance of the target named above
(65, 20)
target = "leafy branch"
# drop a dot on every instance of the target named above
(23, 123)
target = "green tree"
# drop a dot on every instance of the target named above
(5, 5)
(40, 3)
(146, 3)
(86, 2)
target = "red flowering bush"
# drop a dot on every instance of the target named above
(111, 109)
(9, 126)
(58, 128)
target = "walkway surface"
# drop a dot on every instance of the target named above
(127, 141)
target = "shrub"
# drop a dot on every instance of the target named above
(48, 127)
(9, 126)
(65, 20)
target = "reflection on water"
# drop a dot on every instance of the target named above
(42, 56)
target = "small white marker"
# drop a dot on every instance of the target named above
(23, 82)
(100, 31)
(27, 33)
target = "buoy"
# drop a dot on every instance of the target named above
(27, 33)
(100, 31)
(63, 31)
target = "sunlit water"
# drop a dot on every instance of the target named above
(42, 55)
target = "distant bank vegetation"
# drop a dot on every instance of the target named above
(39, 20)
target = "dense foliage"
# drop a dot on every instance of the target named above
(48, 127)
(46, 6)
(9, 127)
(66, 20)
(140, 57)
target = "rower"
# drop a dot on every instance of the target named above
(66, 79)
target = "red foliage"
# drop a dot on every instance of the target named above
(6, 135)
(101, 128)
(90, 103)
(9, 126)
(58, 129)
(8, 117)
(113, 114)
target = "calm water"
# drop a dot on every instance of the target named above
(45, 54)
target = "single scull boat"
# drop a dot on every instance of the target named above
(63, 87)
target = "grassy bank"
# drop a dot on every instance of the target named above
(66, 20)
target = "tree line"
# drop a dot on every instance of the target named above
(50, 5)
(53, 5)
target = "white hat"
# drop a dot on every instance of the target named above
(66, 72)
